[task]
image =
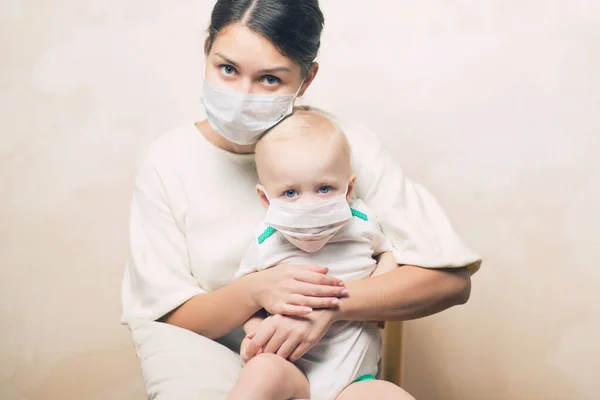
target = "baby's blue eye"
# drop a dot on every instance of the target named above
(290, 193)
(324, 189)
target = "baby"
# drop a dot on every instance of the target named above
(306, 178)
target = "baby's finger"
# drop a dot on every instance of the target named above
(275, 342)
(299, 352)
(288, 347)
(260, 339)
(243, 353)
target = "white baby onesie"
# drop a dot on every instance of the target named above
(349, 349)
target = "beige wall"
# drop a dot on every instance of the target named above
(493, 105)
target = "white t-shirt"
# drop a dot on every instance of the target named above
(194, 210)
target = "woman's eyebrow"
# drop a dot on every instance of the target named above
(227, 60)
(279, 68)
(273, 70)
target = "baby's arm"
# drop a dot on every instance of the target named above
(385, 263)
(252, 324)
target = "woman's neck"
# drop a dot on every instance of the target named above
(219, 141)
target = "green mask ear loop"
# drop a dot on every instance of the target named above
(266, 234)
(361, 215)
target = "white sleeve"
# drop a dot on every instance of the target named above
(381, 244)
(157, 277)
(248, 263)
(408, 215)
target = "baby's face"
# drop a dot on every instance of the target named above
(305, 169)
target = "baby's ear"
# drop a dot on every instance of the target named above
(351, 182)
(262, 195)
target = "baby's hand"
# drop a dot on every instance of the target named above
(244, 347)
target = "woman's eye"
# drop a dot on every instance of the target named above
(271, 80)
(227, 69)
(324, 189)
(289, 193)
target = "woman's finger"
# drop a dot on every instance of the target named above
(290, 309)
(309, 289)
(318, 279)
(316, 268)
(314, 302)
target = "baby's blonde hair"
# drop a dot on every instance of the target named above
(304, 121)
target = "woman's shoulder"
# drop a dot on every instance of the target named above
(171, 144)
(172, 141)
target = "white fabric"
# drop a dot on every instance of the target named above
(178, 364)
(349, 349)
(194, 209)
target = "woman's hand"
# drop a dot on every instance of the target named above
(291, 289)
(287, 336)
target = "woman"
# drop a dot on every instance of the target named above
(194, 209)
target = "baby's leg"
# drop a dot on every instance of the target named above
(374, 389)
(269, 377)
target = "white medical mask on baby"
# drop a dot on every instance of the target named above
(243, 118)
(309, 226)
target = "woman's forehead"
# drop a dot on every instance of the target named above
(249, 50)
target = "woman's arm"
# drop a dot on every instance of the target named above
(406, 293)
(205, 313)
(285, 289)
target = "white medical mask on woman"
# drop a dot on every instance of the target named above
(309, 226)
(242, 118)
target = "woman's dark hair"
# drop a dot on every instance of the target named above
(293, 26)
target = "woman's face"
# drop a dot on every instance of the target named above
(247, 62)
